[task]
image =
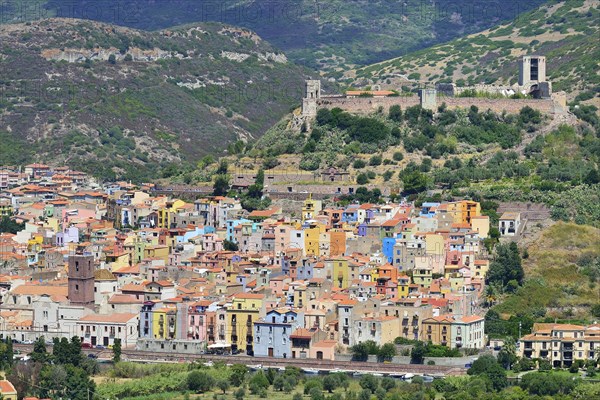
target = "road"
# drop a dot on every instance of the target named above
(321, 365)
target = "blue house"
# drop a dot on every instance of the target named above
(428, 209)
(231, 224)
(272, 333)
(350, 214)
(305, 269)
(362, 230)
(388, 248)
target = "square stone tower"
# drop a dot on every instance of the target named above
(532, 70)
(81, 279)
(312, 92)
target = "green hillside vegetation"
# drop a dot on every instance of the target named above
(320, 35)
(487, 380)
(120, 117)
(562, 282)
(561, 31)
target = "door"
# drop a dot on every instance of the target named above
(319, 355)
(270, 352)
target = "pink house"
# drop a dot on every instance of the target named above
(198, 321)
(282, 237)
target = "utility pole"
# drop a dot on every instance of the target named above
(519, 332)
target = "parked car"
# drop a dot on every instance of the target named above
(92, 355)
(100, 347)
(86, 346)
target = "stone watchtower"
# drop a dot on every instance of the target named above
(312, 92)
(428, 99)
(81, 279)
(532, 70)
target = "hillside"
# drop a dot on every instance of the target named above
(561, 31)
(562, 271)
(318, 34)
(125, 103)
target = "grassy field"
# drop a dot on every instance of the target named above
(559, 271)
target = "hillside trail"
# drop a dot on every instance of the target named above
(566, 118)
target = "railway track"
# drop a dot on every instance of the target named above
(266, 362)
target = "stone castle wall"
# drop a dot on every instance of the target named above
(365, 105)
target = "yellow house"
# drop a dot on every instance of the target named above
(245, 310)
(480, 268)
(159, 323)
(52, 223)
(434, 244)
(165, 214)
(437, 330)
(7, 390)
(464, 210)
(422, 277)
(311, 208)
(157, 251)
(403, 286)
(312, 239)
(481, 225)
(118, 259)
(340, 275)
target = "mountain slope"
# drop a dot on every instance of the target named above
(315, 33)
(119, 101)
(562, 31)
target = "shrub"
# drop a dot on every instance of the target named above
(375, 161)
(362, 179)
(359, 164)
(200, 381)
(398, 156)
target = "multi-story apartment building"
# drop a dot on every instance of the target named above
(454, 332)
(561, 344)
(272, 333)
(245, 310)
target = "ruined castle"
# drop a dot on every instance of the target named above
(532, 81)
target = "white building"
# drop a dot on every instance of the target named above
(97, 329)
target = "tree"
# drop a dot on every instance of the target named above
(388, 383)
(223, 384)
(386, 352)
(258, 381)
(417, 353)
(507, 355)
(369, 382)
(228, 245)
(221, 185)
(112, 59)
(6, 354)
(240, 394)
(488, 366)
(238, 374)
(330, 383)
(278, 383)
(316, 394)
(365, 394)
(362, 179)
(116, 351)
(39, 351)
(360, 352)
(542, 384)
(7, 225)
(398, 156)
(199, 381)
(414, 182)
(395, 113)
(506, 266)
